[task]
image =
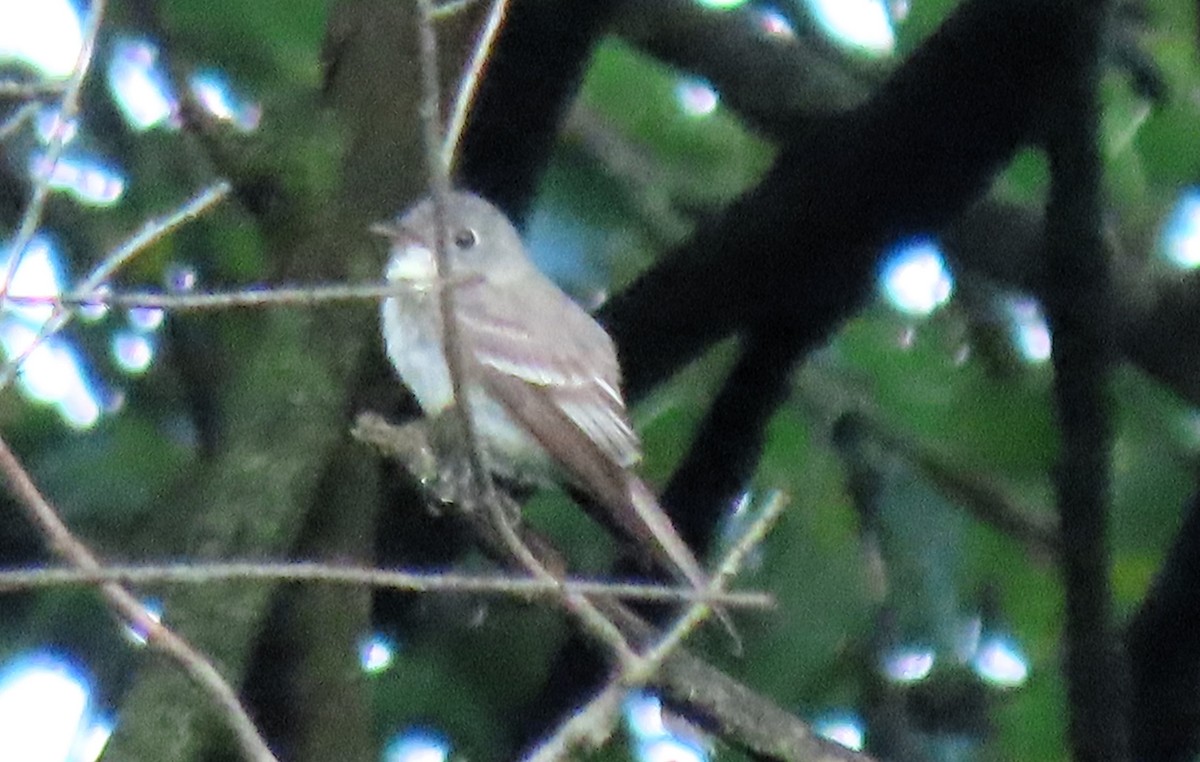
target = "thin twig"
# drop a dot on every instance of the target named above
(152, 231)
(469, 86)
(69, 107)
(43, 89)
(730, 566)
(439, 181)
(409, 445)
(593, 723)
(260, 296)
(127, 607)
(16, 119)
(589, 726)
(424, 582)
(593, 620)
(450, 8)
(591, 617)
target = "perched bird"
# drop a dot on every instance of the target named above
(540, 375)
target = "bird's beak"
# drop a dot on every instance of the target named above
(411, 258)
(394, 231)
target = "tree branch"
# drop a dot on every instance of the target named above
(1077, 306)
(1164, 654)
(538, 62)
(801, 248)
(777, 85)
(127, 607)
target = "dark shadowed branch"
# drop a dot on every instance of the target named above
(801, 248)
(539, 61)
(776, 84)
(1164, 654)
(1154, 316)
(730, 439)
(1077, 307)
(796, 256)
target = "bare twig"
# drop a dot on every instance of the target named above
(16, 119)
(32, 90)
(425, 582)
(439, 181)
(450, 8)
(593, 723)
(151, 232)
(438, 165)
(69, 107)
(592, 618)
(729, 568)
(409, 445)
(469, 86)
(275, 296)
(60, 540)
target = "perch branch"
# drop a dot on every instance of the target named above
(439, 178)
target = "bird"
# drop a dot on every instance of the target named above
(541, 376)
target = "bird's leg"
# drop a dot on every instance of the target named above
(411, 445)
(456, 483)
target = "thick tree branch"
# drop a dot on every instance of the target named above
(1154, 315)
(1077, 306)
(801, 248)
(796, 256)
(776, 83)
(538, 63)
(285, 403)
(730, 440)
(307, 689)
(1164, 654)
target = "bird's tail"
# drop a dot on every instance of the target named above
(672, 549)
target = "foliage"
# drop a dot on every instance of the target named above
(632, 176)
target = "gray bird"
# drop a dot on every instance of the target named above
(541, 376)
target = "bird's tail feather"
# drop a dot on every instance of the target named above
(673, 550)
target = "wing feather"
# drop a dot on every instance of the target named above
(559, 348)
(555, 371)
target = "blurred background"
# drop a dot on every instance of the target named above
(911, 621)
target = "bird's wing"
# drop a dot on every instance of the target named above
(555, 372)
(627, 499)
(559, 349)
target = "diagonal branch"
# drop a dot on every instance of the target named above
(151, 232)
(593, 722)
(68, 109)
(127, 607)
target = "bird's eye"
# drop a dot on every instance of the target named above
(465, 238)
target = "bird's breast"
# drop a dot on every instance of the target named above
(412, 334)
(413, 338)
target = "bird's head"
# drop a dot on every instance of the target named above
(480, 241)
